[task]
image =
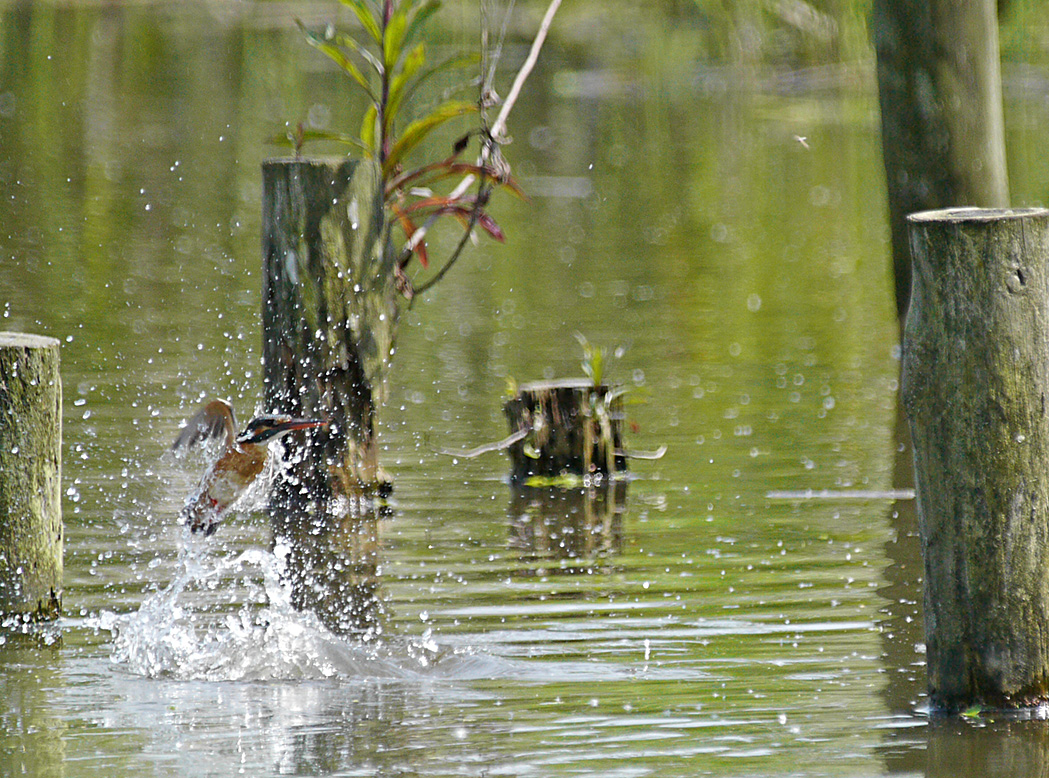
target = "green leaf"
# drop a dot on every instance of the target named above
(412, 63)
(454, 61)
(417, 131)
(294, 138)
(418, 19)
(349, 42)
(365, 16)
(335, 137)
(338, 56)
(368, 130)
(393, 38)
(593, 362)
(286, 139)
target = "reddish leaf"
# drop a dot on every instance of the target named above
(409, 228)
(489, 226)
(447, 169)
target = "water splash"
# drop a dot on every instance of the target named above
(193, 630)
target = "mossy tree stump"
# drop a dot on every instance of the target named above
(329, 319)
(975, 383)
(569, 427)
(30, 476)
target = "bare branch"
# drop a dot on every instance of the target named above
(498, 446)
(495, 133)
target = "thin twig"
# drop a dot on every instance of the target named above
(522, 75)
(495, 133)
(488, 69)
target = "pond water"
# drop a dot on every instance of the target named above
(751, 607)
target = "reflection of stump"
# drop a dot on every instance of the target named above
(334, 570)
(573, 428)
(30, 476)
(942, 129)
(975, 379)
(548, 522)
(329, 316)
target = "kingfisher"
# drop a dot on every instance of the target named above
(241, 458)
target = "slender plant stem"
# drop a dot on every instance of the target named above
(384, 97)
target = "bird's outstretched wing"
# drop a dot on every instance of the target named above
(215, 421)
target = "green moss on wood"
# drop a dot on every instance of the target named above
(31, 531)
(975, 380)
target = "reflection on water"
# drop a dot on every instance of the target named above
(695, 626)
(331, 561)
(550, 522)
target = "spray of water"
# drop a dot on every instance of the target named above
(191, 630)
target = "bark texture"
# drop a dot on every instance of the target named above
(573, 428)
(31, 532)
(939, 87)
(975, 380)
(329, 318)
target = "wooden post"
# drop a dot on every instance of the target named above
(939, 87)
(573, 428)
(975, 383)
(329, 318)
(30, 476)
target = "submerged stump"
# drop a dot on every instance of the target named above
(975, 382)
(30, 476)
(569, 427)
(329, 317)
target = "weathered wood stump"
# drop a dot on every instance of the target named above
(975, 381)
(30, 476)
(571, 427)
(329, 318)
(940, 91)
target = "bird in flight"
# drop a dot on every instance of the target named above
(240, 459)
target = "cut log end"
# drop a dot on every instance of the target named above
(976, 215)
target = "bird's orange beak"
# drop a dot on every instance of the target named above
(299, 424)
